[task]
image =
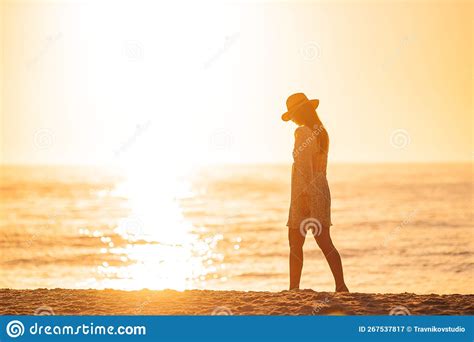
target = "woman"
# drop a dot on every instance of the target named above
(310, 207)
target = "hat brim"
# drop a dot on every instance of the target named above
(289, 115)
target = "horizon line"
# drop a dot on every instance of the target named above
(243, 164)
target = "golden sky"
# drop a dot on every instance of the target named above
(93, 82)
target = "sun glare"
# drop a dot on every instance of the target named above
(163, 250)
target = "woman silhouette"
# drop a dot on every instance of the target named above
(310, 207)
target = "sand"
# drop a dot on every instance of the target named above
(202, 302)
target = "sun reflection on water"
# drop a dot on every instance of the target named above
(160, 249)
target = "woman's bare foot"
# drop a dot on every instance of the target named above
(342, 288)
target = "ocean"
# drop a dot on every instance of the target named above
(398, 228)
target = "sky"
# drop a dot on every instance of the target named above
(104, 82)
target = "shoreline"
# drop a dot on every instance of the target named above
(207, 302)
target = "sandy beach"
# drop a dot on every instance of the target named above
(201, 302)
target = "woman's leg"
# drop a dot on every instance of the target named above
(296, 240)
(333, 258)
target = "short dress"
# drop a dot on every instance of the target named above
(310, 195)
